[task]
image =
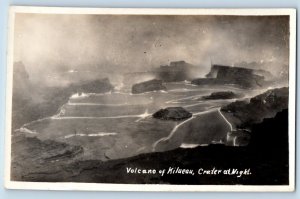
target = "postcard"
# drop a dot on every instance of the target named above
(131, 99)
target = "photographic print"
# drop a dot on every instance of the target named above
(151, 99)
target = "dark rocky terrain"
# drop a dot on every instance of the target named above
(172, 113)
(147, 86)
(42, 156)
(176, 71)
(245, 113)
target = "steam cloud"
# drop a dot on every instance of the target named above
(53, 44)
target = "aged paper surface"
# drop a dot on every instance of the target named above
(151, 99)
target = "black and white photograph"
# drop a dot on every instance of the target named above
(151, 99)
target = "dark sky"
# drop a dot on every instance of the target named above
(58, 43)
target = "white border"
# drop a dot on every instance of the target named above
(150, 187)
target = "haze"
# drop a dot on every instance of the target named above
(54, 44)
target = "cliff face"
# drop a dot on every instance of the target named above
(21, 81)
(242, 77)
(176, 71)
(23, 94)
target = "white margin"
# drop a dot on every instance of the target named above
(152, 187)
